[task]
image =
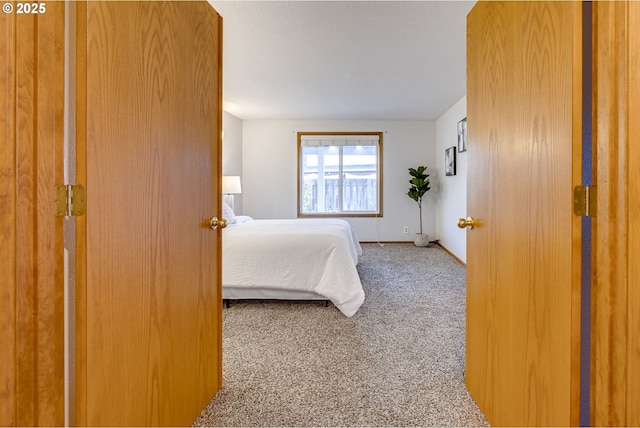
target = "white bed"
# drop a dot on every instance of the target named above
(299, 259)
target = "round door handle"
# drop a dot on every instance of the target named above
(214, 223)
(468, 222)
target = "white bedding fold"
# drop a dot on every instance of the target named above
(317, 255)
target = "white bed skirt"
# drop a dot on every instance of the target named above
(232, 293)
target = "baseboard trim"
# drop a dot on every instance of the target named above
(411, 242)
(451, 254)
(386, 242)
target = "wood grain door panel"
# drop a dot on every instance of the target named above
(150, 348)
(615, 355)
(31, 250)
(521, 311)
(633, 304)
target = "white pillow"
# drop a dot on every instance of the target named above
(243, 219)
(228, 213)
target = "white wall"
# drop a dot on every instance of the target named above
(232, 152)
(269, 172)
(452, 192)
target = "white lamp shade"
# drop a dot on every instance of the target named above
(231, 184)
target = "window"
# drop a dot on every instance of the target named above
(340, 174)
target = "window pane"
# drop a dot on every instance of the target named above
(309, 180)
(339, 174)
(360, 183)
(320, 173)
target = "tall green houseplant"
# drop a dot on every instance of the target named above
(419, 186)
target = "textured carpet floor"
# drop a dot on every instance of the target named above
(398, 362)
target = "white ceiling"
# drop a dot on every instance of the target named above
(343, 59)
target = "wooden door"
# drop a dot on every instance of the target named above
(149, 128)
(615, 357)
(31, 252)
(523, 257)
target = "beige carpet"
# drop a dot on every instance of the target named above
(398, 362)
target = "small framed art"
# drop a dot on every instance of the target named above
(462, 135)
(450, 161)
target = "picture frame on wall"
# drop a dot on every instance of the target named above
(462, 135)
(450, 161)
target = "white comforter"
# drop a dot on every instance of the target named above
(314, 255)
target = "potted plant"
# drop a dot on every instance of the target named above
(419, 186)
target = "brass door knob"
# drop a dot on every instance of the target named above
(214, 223)
(468, 222)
